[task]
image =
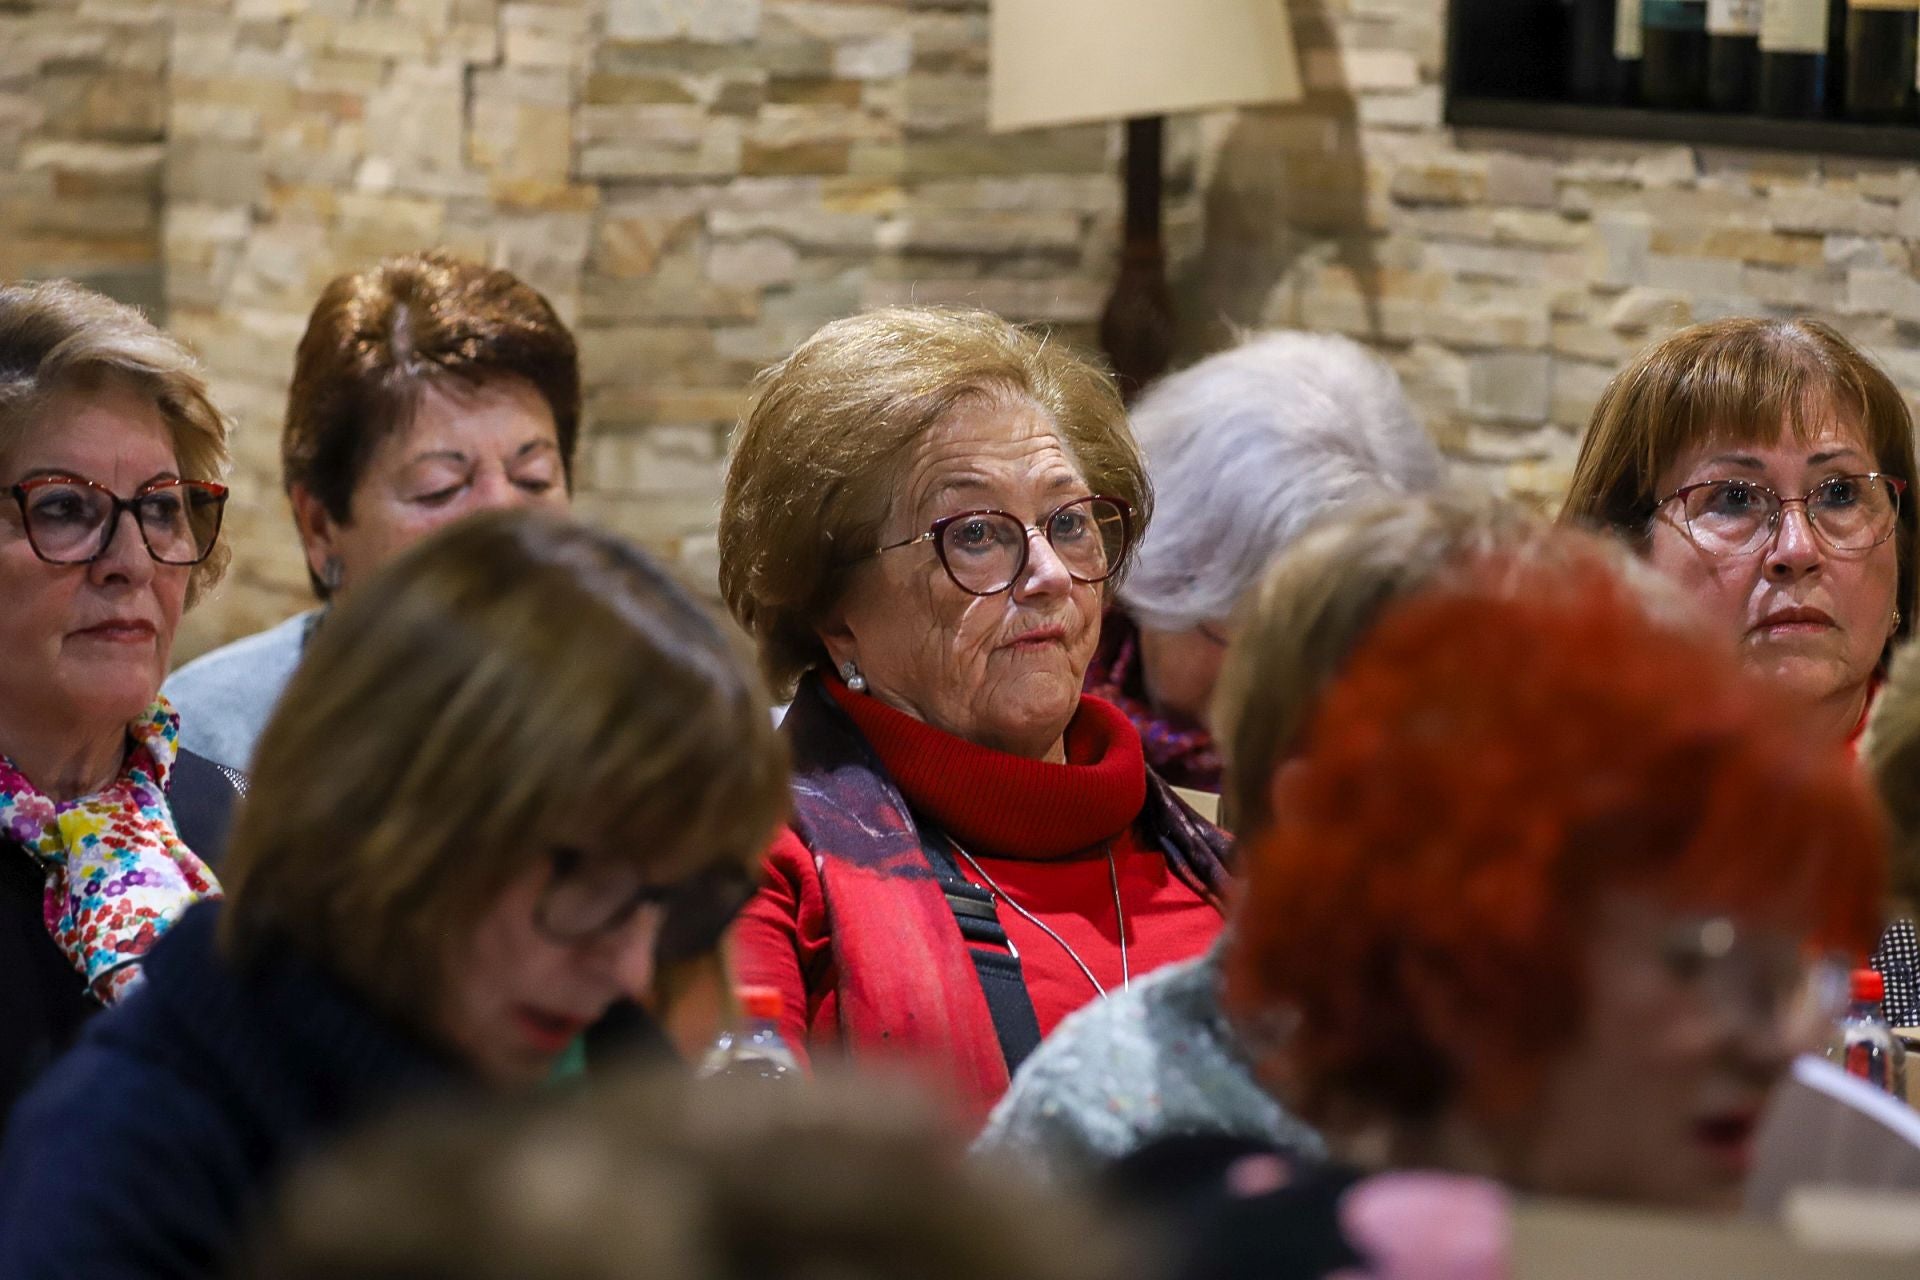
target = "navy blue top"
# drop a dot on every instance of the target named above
(144, 1151)
(44, 1002)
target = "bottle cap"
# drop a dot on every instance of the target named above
(1867, 985)
(765, 1002)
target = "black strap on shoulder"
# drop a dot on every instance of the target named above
(995, 960)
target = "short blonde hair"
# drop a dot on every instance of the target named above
(514, 684)
(1321, 598)
(60, 336)
(1892, 753)
(1747, 380)
(825, 442)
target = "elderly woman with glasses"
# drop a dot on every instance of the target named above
(470, 836)
(925, 512)
(1764, 465)
(110, 453)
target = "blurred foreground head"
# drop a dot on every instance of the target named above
(1543, 891)
(659, 1178)
(517, 766)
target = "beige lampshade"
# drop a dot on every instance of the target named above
(1072, 61)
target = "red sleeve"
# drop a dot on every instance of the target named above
(781, 941)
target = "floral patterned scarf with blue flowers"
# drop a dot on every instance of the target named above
(117, 873)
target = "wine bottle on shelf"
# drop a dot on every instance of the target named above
(1594, 74)
(1793, 58)
(1880, 59)
(1836, 56)
(1626, 49)
(1673, 54)
(1733, 54)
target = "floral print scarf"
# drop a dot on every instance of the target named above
(117, 873)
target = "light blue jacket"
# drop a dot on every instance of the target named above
(225, 697)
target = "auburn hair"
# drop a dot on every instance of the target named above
(1495, 757)
(378, 338)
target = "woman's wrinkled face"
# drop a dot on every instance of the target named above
(517, 998)
(466, 449)
(1004, 670)
(1690, 1021)
(85, 646)
(1811, 619)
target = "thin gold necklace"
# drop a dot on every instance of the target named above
(1119, 917)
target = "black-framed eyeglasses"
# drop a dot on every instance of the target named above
(72, 520)
(985, 552)
(587, 899)
(1736, 517)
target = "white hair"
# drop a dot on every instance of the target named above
(1251, 447)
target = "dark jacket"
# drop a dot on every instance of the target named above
(147, 1148)
(43, 999)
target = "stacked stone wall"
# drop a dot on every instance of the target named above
(698, 184)
(82, 119)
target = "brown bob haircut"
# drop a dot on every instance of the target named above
(514, 684)
(377, 338)
(830, 433)
(59, 336)
(1745, 381)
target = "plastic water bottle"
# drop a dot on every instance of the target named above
(1866, 1046)
(756, 1051)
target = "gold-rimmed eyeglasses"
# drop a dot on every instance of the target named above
(1736, 517)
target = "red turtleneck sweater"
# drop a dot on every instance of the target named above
(1041, 831)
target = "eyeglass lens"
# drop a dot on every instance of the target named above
(588, 898)
(1757, 984)
(986, 553)
(1733, 517)
(71, 523)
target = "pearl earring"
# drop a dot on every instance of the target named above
(850, 672)
(1896, 622)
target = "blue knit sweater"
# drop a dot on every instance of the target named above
(147, 1148)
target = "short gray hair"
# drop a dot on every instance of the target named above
(1248, 449)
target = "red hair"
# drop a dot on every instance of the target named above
(1493, 758)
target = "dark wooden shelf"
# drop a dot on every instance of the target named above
(1694, 128)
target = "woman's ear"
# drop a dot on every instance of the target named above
(319, 532)
(837, 637)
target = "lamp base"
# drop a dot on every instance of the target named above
(1137, 327)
